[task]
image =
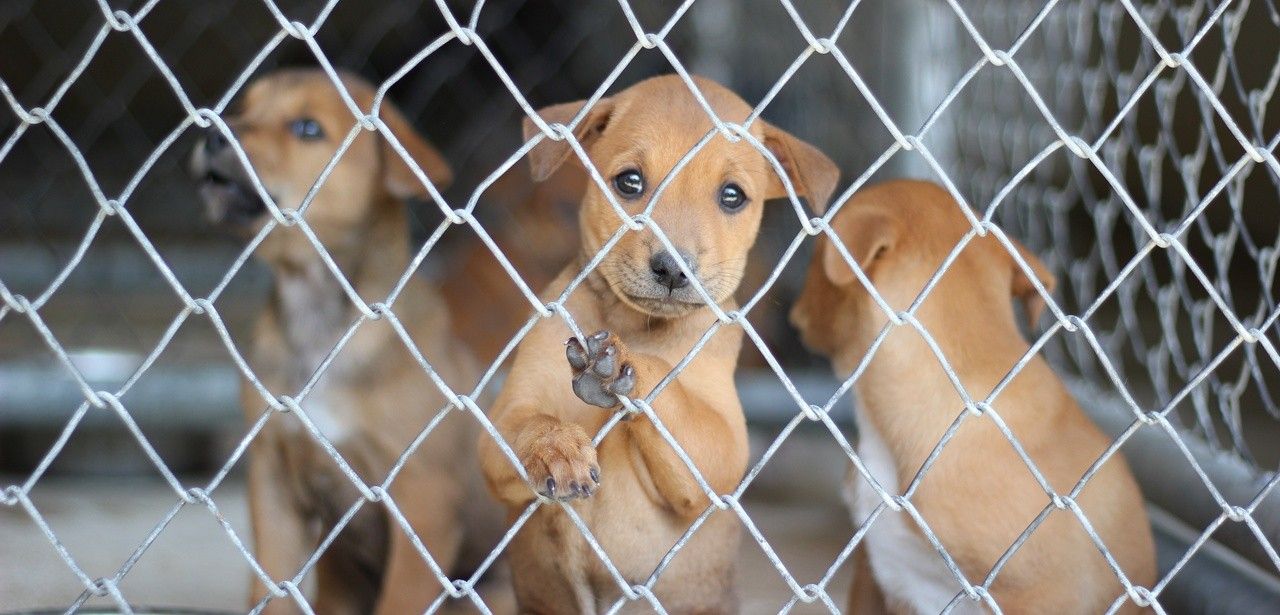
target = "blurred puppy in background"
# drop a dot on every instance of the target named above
(978, 496)
(373, 398)
(633, 490)
(535, 224)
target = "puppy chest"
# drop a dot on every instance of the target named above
(638, 535)
(332, 413)
(904, 563)
(318, 485)
(635, 535)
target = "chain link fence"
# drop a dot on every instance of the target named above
(1162, 234)
(1129, 143)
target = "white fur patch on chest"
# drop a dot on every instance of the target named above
(906, 567)
(327, 414)
(313, 317)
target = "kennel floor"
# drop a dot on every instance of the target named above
(193, 563)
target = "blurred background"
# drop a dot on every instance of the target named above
(1094, 71)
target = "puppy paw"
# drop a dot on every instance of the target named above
(600, 370)
(560, 461)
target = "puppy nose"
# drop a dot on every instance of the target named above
(666, 271)
(214, 142)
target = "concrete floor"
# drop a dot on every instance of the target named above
(193, 564)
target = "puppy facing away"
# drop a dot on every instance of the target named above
(373, 399)
(979, 495)
(632, 490)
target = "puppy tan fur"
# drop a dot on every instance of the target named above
(632, 490)
(374, 397)
(979, 495)
(535, 227)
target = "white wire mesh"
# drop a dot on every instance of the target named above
(1096, 144)
(1175, 147)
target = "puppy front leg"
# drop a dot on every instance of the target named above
(429, 502)
(707, 439)
(557, 455)
(279, 530)
(603, 369)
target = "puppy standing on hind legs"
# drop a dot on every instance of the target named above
(979, 495)
(373, 398)
(633, 491)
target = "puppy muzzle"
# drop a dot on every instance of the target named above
(230, 200)
(663, 288)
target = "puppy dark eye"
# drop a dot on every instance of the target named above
(306, 129)
(732, 198)
(629, 183)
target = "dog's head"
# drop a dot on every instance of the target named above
(710, 210)
(290, 124)
(900, 233)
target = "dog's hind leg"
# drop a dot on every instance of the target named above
(341, 587)
(429, 502)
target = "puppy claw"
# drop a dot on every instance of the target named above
(596, 340)
(606, 362)
(560, 460)
(576, 354)
(625, 382)
(600, 374)
(595, 475)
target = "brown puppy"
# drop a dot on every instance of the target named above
(633, 491)
(373, 398)
(979, 495)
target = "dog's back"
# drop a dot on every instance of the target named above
(978, 495)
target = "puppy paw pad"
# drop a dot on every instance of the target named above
(600, 371)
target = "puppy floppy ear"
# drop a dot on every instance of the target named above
(396, 175)
(1023, 289)
(868, 235)
(811, 172)
(548, 155)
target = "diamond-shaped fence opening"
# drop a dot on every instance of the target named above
(1129, 144)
